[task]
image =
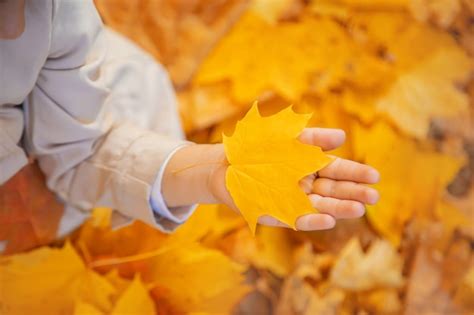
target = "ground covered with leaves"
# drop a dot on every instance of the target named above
(396, 75)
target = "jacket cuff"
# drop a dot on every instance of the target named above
(126, 170)
(177, 215)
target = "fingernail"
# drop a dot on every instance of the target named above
(373, 197)
(358, 210)
(329, 222)
(373, 176)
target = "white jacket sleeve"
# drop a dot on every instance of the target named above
(12, 156)
(89, 159)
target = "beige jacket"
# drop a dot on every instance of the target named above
(97, 113)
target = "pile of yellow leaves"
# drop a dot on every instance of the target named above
(396, 75)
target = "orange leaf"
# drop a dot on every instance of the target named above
(29, 212)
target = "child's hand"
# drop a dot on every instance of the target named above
(196, 174)
(337, 191)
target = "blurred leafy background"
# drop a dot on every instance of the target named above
(396, 75)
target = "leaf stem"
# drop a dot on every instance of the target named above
(126, 259)
(195, 165)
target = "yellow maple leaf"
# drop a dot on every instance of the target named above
(415, 83)
(49, 281)
(135, 300)
(413, 177)
(266, 163)
(269, 249)
(396, 31)
(185, 276)
(417, 95)
(428, 91)
(361, 104)
(254, 58)
(189, 277)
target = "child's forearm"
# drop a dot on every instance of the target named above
(196, 174)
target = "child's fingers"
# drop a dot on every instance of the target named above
(315, 221)
(337, 208)
(306, 184)
(327, 139)
(345, 190)
(341, 169)
(309, 222)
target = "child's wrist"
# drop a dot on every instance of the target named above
(196, 174)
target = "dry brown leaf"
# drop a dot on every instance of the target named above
(299, 297)
(465, 291)
(379, 267)
(179, 33)
(434, 277)
(441, 12)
